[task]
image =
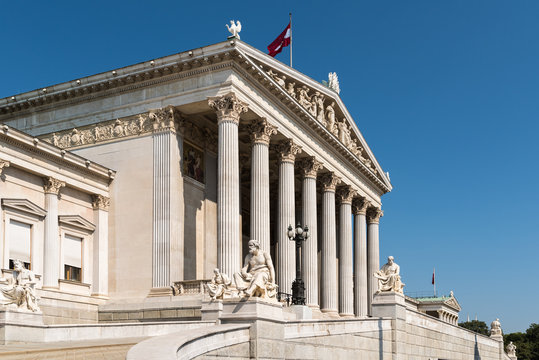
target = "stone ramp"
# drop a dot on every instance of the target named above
(106, 349)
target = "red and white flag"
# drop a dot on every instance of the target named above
(282, 40)
(433, 271)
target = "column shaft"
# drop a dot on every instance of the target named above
(373, 253)
(360, 264)
(310, 247)
(286, 271)
(346, 285)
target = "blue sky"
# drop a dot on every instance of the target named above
(445, 93)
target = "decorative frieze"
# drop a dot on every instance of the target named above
(287, 150)
(329, 181)
(360, 206)
(261, 131)
(309, 167)
(346, 194)
(3, 164)
(100, 202)
(52, 185)
(228, 107)
(373, 215)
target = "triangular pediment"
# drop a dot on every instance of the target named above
(25, 206)
(453, 303)
(76, 221)
(317, 104)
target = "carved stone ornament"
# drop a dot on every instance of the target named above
(100, 202)
(234, 29)
(346, 194)
(360, 206)
(103, 131)
(20, 291)
(4, 164)
(495, 328)
(511, 349)
(52, 185)
(228, 107)
(167, 118)
(373, 215)
(261, 131)
(287, 150)
(329, 181)
(389, 278)
(309, 167)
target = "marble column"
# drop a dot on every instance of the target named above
(51, 248)
(373, 253)
(346, 282)
(167, 221)
(286, 260)
(359, 209)
(261, 132)
(3, 164)
(309, 168)
(228, 108)
(100, 261)
(328, 284)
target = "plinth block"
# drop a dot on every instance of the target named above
(389, 304)
(241, 310)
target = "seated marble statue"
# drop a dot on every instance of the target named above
(257, 277)
(20, 291)
(389, 277)
(218, 285)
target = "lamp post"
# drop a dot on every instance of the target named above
(299, 235)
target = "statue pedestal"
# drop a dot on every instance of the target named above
(389, 304)
(299, 312)
(14, 316)
(242, 310)
(20, 325)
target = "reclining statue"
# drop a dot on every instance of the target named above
(257, 277)
(20, 290)
(389, 277)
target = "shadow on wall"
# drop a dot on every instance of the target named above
(476, 355)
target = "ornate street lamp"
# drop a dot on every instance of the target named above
(298, 235)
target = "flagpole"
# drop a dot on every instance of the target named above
(290, 39)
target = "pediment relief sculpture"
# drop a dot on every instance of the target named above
(323, 109)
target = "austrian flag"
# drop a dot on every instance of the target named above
(282, 40)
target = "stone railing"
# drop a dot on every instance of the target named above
(190, 287)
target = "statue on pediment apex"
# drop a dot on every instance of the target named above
(234, 28)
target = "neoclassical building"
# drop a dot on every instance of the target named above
(123, 191)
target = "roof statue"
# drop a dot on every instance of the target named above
(234, 29)
(333, 82)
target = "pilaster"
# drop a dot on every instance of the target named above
(51, 248)
(100, 281)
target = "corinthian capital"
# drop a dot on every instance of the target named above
(373, 215)
(3, 164)
(360, 206)
(309, 167)
(52, 185)
(100, 202)
(228, 107)
(287, 150)
(167, 118)
(329, 181)
(261, 131)
(346, 194)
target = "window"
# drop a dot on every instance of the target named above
(20, 235)
(72, 257)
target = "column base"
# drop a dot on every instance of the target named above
(161, 291)
(347, 316)
(299, 312)
(330, 314)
